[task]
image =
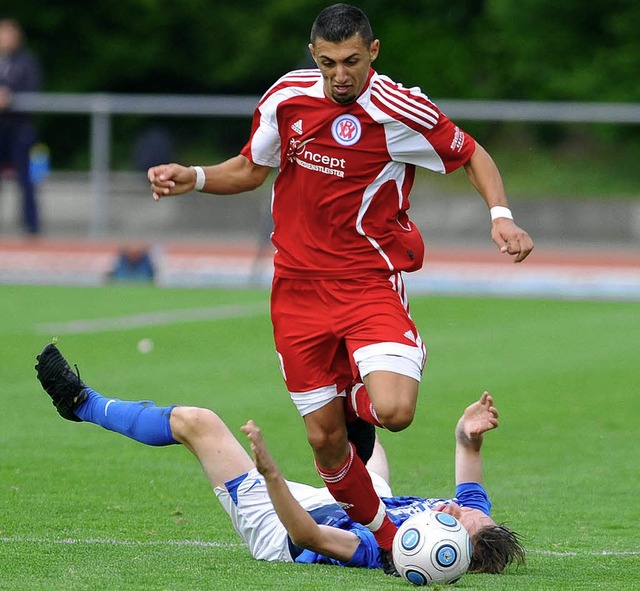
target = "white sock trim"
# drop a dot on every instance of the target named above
(376, 524)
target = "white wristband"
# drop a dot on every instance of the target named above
(498, 211)
(200, 178)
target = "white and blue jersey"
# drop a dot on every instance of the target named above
(247, 503)
(399, 509)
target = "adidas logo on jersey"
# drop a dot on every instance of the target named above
(297, 126)
(410, 336)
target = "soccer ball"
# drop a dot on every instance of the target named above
(431, 547)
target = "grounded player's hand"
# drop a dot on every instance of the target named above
(171, 179)
(477, 419)
(511, 239)
(265, 463)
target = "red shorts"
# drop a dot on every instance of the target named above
(324, 330)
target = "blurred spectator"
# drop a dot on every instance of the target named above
(133, 263)
(152, 147)
(19, 72)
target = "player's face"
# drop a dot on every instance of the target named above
(344, 66)
(471, 519)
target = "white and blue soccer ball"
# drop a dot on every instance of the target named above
(431, 547)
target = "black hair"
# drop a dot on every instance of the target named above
(495, 547)
(339, 22)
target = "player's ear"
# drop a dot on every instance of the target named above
(312, 52)
(374, 49)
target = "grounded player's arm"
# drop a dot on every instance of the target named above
(468, 460)
(485, 177)
(235, 175)
(477, 419)
(302, 529)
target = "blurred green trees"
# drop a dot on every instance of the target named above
(500, 49)
(492, 49)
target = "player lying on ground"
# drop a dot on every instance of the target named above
(294, 522)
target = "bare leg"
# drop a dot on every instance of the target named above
(205, 434)
(394, 397)
(327, 434)
(378, 462)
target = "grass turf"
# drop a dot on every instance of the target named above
(83, 508)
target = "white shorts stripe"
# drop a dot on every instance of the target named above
(307, 402)
(395, 357)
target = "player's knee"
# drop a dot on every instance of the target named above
(189, 422)
(321, 440)
(330, 448)
(397, 418)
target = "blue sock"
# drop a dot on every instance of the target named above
(140, 420)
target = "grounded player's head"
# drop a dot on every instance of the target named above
(339, 22)
(495, 547)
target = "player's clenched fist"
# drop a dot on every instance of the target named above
(171, 179)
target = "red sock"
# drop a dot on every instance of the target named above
(351, 486)
(357, 401)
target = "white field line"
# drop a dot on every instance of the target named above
(115, 542)
(585, 553)
(202, 544)
(151, 319)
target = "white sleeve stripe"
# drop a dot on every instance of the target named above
(396, 109)
(299, 78)
(409, 101)
(305, 77)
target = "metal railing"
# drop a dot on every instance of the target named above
(102, 107)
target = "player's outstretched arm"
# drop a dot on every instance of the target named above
(302, 529)
(485, 177)
(477, 419)
(236, 175)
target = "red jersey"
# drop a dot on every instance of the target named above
(341, 197)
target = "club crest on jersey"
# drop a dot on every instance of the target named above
(346, 130)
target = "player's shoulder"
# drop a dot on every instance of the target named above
(396, 100)
(382, 81)
(303, 77)
(473, 495)
(295, 82)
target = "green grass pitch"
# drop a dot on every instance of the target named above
(82, 508)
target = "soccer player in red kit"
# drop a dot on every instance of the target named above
(346, 141)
